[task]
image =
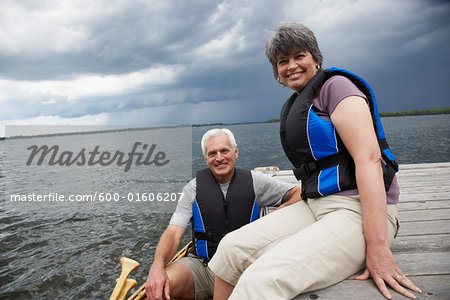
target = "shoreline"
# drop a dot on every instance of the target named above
(401, 113)
(419, 112)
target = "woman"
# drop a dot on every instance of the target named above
(330, 131)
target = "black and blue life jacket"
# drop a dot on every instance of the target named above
(313, 146)
(215, 215)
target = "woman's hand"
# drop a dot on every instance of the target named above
(381, 266)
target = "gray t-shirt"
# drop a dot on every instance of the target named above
(269, 191)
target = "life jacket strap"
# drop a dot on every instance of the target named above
(208, 236)
(306, 170)
(391, 166)
(309, 168)
(389, 170)
(383, 144)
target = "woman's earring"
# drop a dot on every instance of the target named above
(317, 68)
(279, 80)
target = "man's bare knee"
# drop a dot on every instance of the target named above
(181, 281)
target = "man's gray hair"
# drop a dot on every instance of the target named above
(288, 37)
(213, 132)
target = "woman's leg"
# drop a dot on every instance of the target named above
(240, 248)
(318, 256)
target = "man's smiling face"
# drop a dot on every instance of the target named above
(221, 157)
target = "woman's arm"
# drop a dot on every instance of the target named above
(353, 123)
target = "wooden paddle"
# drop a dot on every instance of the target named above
(182, 253)
(128, 265)
(129, 284)
(140, 293)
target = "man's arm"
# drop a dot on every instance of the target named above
(157, 280)
(292, 197)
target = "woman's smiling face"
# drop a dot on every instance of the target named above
(296, 69)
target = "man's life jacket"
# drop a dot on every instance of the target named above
(215, 215)
(313, 146)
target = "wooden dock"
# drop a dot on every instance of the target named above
(422, 246)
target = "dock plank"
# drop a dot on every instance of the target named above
(433, 288)
(420, 264)
(425, 215)
(423, 205)
(424, 228)
(421, 243)
(422, 246)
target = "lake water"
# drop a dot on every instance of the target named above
(71, 249)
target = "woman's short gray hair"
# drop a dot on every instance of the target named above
(213, 132)
(288, 37)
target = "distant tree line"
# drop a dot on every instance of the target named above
(434, 111)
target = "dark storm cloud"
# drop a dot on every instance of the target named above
(112, 38)
(203, 61)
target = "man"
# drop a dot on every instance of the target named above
(220, 199)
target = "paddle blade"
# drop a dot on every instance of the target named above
(128, 265)
(129, 284)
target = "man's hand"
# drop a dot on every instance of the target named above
(157, 286)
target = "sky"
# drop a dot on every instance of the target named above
(171, 62)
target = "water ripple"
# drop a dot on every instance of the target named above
(72, 250)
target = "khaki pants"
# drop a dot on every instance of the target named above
(300, 248)
(203, 276)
